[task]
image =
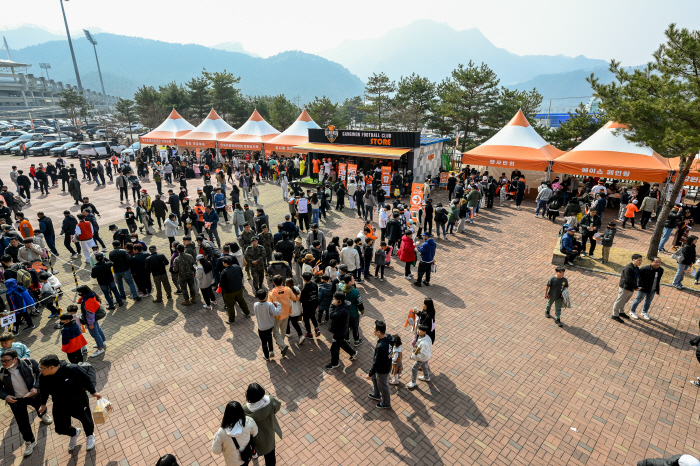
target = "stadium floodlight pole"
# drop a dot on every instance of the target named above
(94, 46)
(70, 44)
(46, 67)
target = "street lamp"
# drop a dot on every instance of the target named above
(46, 67)
(94, 46)
(70, 44)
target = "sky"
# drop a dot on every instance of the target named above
(627, 30)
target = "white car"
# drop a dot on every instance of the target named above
(57, 137)
(99, 149)
(131, 150)
(102, 133)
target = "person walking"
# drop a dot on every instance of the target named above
(67, 385)
(357, 308)
(686, 258)
(427, 256)
(235, 434)
(648, 209)
(421, 355)
(265, 313)
(262, 408)
(339, 313)
(553, 294)
(381, 366)
(121, 266)
(283, 295)
(590, 224)
(231, 284)
(629, 283)
(19, 387)
(407, 254)
(157, 265)
(650, 284)
(102, 272)
(675, 218)
(256, 257)
(205, 279)
(183, 266)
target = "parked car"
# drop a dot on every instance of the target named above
(27, 144)
(31, 137)
(58, 137)
(5, 149)
(13, 132)
(131, 150)
(44, 148)
(118, 148)
(99, 149)
(4, 140)
(72, 152)
(62, 150)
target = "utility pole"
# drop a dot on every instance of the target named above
(72, 53)
(94, 46)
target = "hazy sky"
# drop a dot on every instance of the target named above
(628, 30)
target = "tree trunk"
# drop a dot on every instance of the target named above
(685, 165)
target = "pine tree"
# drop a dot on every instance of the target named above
(147, 99)
(413, 100)
(580, 126)
(283, 112)
(200, 100)
(659, 103)
(223, 93)
(323, 111)
(378, 93)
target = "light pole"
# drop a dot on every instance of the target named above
(46, 67)
(70, 44)
(94, 46)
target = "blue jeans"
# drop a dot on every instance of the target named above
(158, 186)
(441, 226)
(541, 205)
(113, 288)
(51, 243)
(118, 277)
(315, 215)
(237, 230)
(646, 297)
(98, 335)
(680, 274)
(666, 235)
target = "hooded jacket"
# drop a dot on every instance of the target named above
(280, 268)
(72, 338)
(18, 295)
(407, 251)
(353, 298)
(427, 250)
(340, 320)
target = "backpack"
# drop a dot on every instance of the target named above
(88, 369)
(24, 278)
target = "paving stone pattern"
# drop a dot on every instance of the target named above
(508, 385)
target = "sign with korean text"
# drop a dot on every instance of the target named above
(605, 172)
(501, 163)
(443, 179)
(352, 170)
(342, 172)
(199, 155)
(405, 139)
(240, 145)
(416, 197)
(6, 321)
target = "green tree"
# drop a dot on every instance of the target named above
(200, 100)
(225, 98)
(283, 112)
(579, 127)
(659, 103)
(72, 102)
(261, 103)
(147, 100)
(350, 111)
(323, 111)
(378, 92)
(414, 98)
(126, 111)
(439, 118)
(508, 104)
(468, 98)
(175, 97)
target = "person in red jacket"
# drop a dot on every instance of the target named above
(72, 339)
(407, 253)
(83, 235)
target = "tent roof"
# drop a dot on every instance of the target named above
(516, 145)
(295, 135)
(608, 153)
(173, 127)
(211, 129)
(693, 178)
(251, 135)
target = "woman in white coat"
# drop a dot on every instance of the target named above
(234, 425)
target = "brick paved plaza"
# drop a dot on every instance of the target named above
(509, 386)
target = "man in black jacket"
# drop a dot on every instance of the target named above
(672, 221)
(381, 366)
(46, 228)
(66, 384)
(393, 232)
(650, 284)
(590, 224)
(340, 322)
(232, 289)
(429, 212)
(157, 264)
(19, 387)
(286, 247)
(65, 177)
(629, 283)
(119, 234)
(24, 185)
(68, 230)
(138, 270)
(451, 184)
(102, 271)
(121, 261)
(159, 208)
(174, 203)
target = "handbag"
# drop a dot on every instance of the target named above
(248, 452)
(678, 256)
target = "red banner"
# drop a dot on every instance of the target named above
(416, 197)
(352, 170)
(443, 179)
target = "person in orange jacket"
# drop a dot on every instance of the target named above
(629, 214)
(25, 228)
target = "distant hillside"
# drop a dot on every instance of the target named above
(26, 36)
(128, 62)
(434, 49)
(234, 47)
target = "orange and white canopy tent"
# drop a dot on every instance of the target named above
(608, 154)
(295, 135)
(172, 128)
(251, 135)
(517, 145)
(210, 130)
(693, 178)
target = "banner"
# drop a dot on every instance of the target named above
(386, 180)
(199, 155)
(443, 179)
(416, 197)
(446, 161)
(341, 172)
(352, 170)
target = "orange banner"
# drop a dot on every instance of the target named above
(443, 179)
(386, 176)
(341, 172)
(352, 170)
(416, 197)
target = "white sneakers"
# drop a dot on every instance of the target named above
(90, 442)
(634, 315)
(29, 449)
(646, 316)
(74, 439)
(97, 353)
(424, 378)
(411, 385)
(302, 339)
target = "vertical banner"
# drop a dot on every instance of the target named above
(443, 179)
(386, 180)
(416, 197)
(446, 161)
(341, 172)
(352, 170)
(199, 155)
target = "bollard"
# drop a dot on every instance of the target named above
(75, 277)
(51, 266)
(55, 302)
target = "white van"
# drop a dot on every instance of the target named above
(94, 149)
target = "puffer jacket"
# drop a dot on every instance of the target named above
(222, 443)
(18, 295)
(205, 279)
(407, 251)
(238, 217)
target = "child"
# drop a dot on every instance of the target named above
(396, 366)
(47, 294)
(631, 210)
(553, 294)
(93, 259)
(325, 295)
(296, 310)
(265, 313)
(421, 354)
(368, 250)
(7, 341)
(72, 310)
(379, 260)
(72, 339)
(607, 242)
(332, 269)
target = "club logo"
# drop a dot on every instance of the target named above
(332, 134)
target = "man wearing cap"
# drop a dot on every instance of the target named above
(256, 258)
(675, 217)
(102, 272)
(244, 241)
(265, 239)
(569, 246)
(427, 258)
(157, 264)
(211, 223)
